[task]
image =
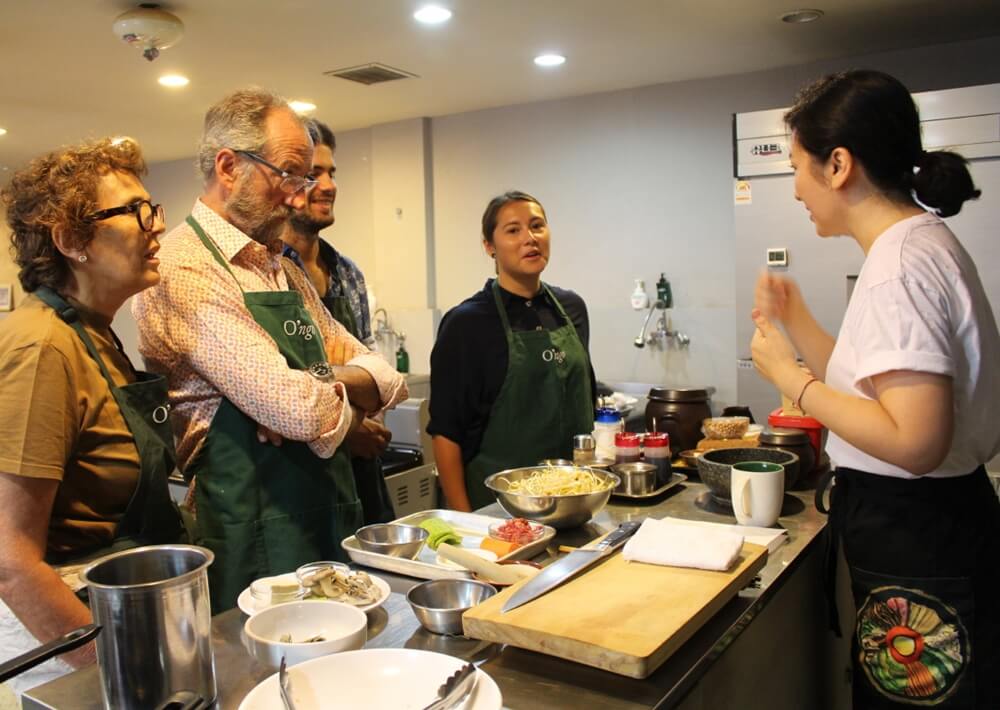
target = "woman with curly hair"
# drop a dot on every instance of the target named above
(909, 390)
(85, 442)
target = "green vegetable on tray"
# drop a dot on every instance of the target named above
(439, 531)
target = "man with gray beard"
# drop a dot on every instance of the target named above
(341, 286)
(265, 385)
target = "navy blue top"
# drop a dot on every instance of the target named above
(469, 359)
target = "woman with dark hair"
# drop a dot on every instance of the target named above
(85, 442)
(511, 380)
(909, 390)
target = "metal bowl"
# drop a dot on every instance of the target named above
(440, 603)
(555, 462)
(715, 468)
(638, 478)
(690, 457)
(566, 511)
(402, 541)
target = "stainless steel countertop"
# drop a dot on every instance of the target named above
(526, 679)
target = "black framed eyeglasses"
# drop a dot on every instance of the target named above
(146, 214)
(289, 184)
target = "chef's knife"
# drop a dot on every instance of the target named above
(571, 565)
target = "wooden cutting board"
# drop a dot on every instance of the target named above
(624, 617)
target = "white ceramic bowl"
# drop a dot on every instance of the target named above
(372, 679)
(344, 627)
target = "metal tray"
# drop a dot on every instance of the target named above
(472, 527)
(675, 478)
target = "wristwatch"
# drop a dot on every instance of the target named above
(322, 371)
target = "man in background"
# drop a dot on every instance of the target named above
(341, 287)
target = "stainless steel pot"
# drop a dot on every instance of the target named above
(637, 479)
(154, 606)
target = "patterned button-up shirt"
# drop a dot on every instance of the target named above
(195, 329)
(347, 280)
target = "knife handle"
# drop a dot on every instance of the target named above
(618, 536)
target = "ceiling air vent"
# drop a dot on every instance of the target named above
(368, 74)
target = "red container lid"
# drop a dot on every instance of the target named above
(776, 418)
(656, 439)
(627, 439)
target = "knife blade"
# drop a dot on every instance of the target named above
(570, 566)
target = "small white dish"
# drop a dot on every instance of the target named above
(374, 679)
(343, 628)
(248, 606)
(485, 554)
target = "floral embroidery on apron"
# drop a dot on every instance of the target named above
(913, 647)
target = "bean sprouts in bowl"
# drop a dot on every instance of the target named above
(560, 496)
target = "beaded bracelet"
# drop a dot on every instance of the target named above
(798, 400)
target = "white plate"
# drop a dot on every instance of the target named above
(246, 604)
(373, 679)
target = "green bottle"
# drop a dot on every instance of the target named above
(402, 357)
(663, 292)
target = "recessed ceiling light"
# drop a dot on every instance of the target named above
(432, 14)
(301, 106)
(3, 131)
(174, 81)
(798, 17)
(549, 60)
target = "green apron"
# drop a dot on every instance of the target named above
(368, 478)
(544, 402)
(265, 509)
(151, 517)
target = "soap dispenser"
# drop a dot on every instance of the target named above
(663, 294)
(402, 357)
(640, 300)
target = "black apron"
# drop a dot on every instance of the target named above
(368, 478)
(151, 516)
(545, 400)
(265, 509)
(924, 559)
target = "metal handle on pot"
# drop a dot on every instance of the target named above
(26, 661)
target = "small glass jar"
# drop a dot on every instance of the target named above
(656, 450)
(583, 449)
(268, 591)
(626, 447)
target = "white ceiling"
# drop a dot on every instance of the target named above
(64, 76)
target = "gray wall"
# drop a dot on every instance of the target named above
(637, 182)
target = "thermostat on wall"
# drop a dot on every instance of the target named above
(777, 256)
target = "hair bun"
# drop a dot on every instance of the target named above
(943, 182)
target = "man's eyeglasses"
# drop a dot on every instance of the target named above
(289, 184)
(146, 214)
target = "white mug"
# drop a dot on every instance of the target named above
(758, 489)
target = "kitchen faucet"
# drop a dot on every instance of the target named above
(382, 328)
(663, 333)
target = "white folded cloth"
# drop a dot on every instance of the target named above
(771, 538)
(661, 542)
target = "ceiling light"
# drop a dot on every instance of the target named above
(174, 81)
(432, 14)
(798, 17)
(3, 131)
(149, 29)
(549, 60)
(301, 106)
